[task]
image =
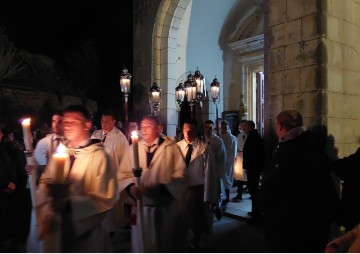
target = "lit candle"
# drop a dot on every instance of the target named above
(60, 162)
(135, 141)
(25, 123)
(27, 134)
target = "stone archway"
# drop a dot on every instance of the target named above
(169, 55)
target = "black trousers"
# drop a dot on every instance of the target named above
(253, 182)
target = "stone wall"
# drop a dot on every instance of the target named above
(341, 66)
(313, 66)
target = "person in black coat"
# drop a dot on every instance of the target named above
(348, 170)
(19, 200)
(298, 195)
(253, 163)
(7, 187)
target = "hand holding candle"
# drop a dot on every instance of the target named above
(135, 144)
(60, 162)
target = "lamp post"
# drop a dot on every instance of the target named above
(179, 98)
(215, 95)
(125, 81)
(190, 91)
(155, 93)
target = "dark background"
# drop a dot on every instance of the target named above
(60, 28)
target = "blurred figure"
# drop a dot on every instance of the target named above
(230, 143)
(162, 191)
(201, 176)
(240, 176)
(298, 195)
(91, 194)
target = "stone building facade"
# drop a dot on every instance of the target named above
(306, 52)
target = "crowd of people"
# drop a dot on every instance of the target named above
(167, 189)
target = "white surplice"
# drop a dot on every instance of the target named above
(45, 147)
(230, 143)
(92, 194)
(164, 226)
(201, 176)
(116, 146)
(202, 168)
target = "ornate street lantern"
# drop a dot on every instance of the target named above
(125, 82)
(155, 93)
(215, 95)
(179, 98)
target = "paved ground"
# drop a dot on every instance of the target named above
(231, 234)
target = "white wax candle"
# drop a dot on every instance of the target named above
(25, 124)
(60, 158)
(27, 134)
(135, 144)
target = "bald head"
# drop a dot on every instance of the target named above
(287, 120)
(290, 119)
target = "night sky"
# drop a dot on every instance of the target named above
(55, 27)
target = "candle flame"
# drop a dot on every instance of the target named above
(26, 121)
(61, 149)
(133, 133)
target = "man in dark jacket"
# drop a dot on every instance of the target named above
(253, 163)
(7, 187)
(298, 196)
(348, 170)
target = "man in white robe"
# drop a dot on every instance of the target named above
(160, 221)
(116, 146)
(72, 223)
(201, 177)
(48, 145)
(231, 149)
(218, 148)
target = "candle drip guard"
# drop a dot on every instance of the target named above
(137, 172)
(59, 193)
